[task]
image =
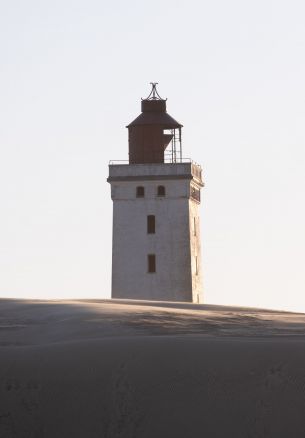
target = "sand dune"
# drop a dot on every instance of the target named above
(90, 368)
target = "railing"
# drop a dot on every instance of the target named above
(115, 162)
(166, 161)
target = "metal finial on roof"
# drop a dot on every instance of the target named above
(154, 95)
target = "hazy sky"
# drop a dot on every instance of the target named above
(72, 75)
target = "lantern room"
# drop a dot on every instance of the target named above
(154, 136)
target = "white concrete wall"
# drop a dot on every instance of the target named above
(195, 239)
(174, 243)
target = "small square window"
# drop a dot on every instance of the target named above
(140, 192)
(195, 193)
(161, 191)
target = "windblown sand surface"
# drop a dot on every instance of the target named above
(78, 369)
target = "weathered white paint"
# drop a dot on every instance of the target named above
(175, 243)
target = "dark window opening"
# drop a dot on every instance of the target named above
(151, 224)
(140, 192)
(161, 191)
(195, 194)
(151, 260)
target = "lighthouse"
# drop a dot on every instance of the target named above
(156, 253)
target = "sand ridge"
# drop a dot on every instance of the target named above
(105, 369)
(28, 322)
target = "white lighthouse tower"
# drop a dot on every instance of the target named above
(156, 224)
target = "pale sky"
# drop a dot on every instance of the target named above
(72, 76)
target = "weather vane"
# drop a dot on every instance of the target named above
(154, 95)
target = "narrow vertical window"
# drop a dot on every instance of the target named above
(151, 262)
(195, 231)
(140, 192)
(151, 224)
(161, 191)
(196, 261)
